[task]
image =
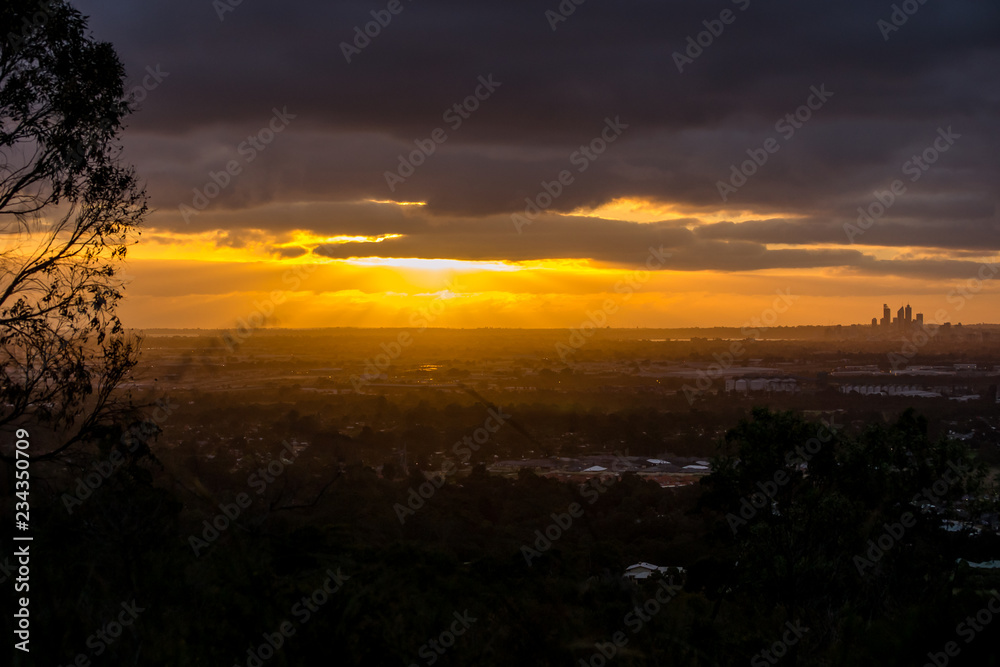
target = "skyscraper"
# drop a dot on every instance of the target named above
(909, 314)
(886, 315)
(900, 315)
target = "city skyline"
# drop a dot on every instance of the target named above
(904, 317)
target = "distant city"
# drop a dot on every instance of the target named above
(904, 317)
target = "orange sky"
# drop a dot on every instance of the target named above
(197, 280)
(395, 173)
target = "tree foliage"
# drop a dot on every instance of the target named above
(836, 529)
(68, 210)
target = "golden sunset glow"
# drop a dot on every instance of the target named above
(397, 203)
(637, 209)
(433, 265)
(212, 278)
(379, 291)
(302, 238)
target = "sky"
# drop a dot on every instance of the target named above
(547, 164)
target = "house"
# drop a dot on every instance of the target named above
(645, 570)
(988, 565)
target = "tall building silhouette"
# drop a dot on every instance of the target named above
(905, 318)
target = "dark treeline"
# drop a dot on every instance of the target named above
(361, 569)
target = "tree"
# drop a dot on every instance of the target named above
(68, 210)
(837, 529)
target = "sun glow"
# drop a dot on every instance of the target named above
(212, 278)
(303, 238)
(396, 203)
(433, 264)
(639, 209)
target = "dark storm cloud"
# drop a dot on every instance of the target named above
(608, 57)
(629, 245)
(980, 230)
(685, 130)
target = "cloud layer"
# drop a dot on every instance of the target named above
(892, 93)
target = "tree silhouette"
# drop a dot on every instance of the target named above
(837, 531)
(68, 211)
